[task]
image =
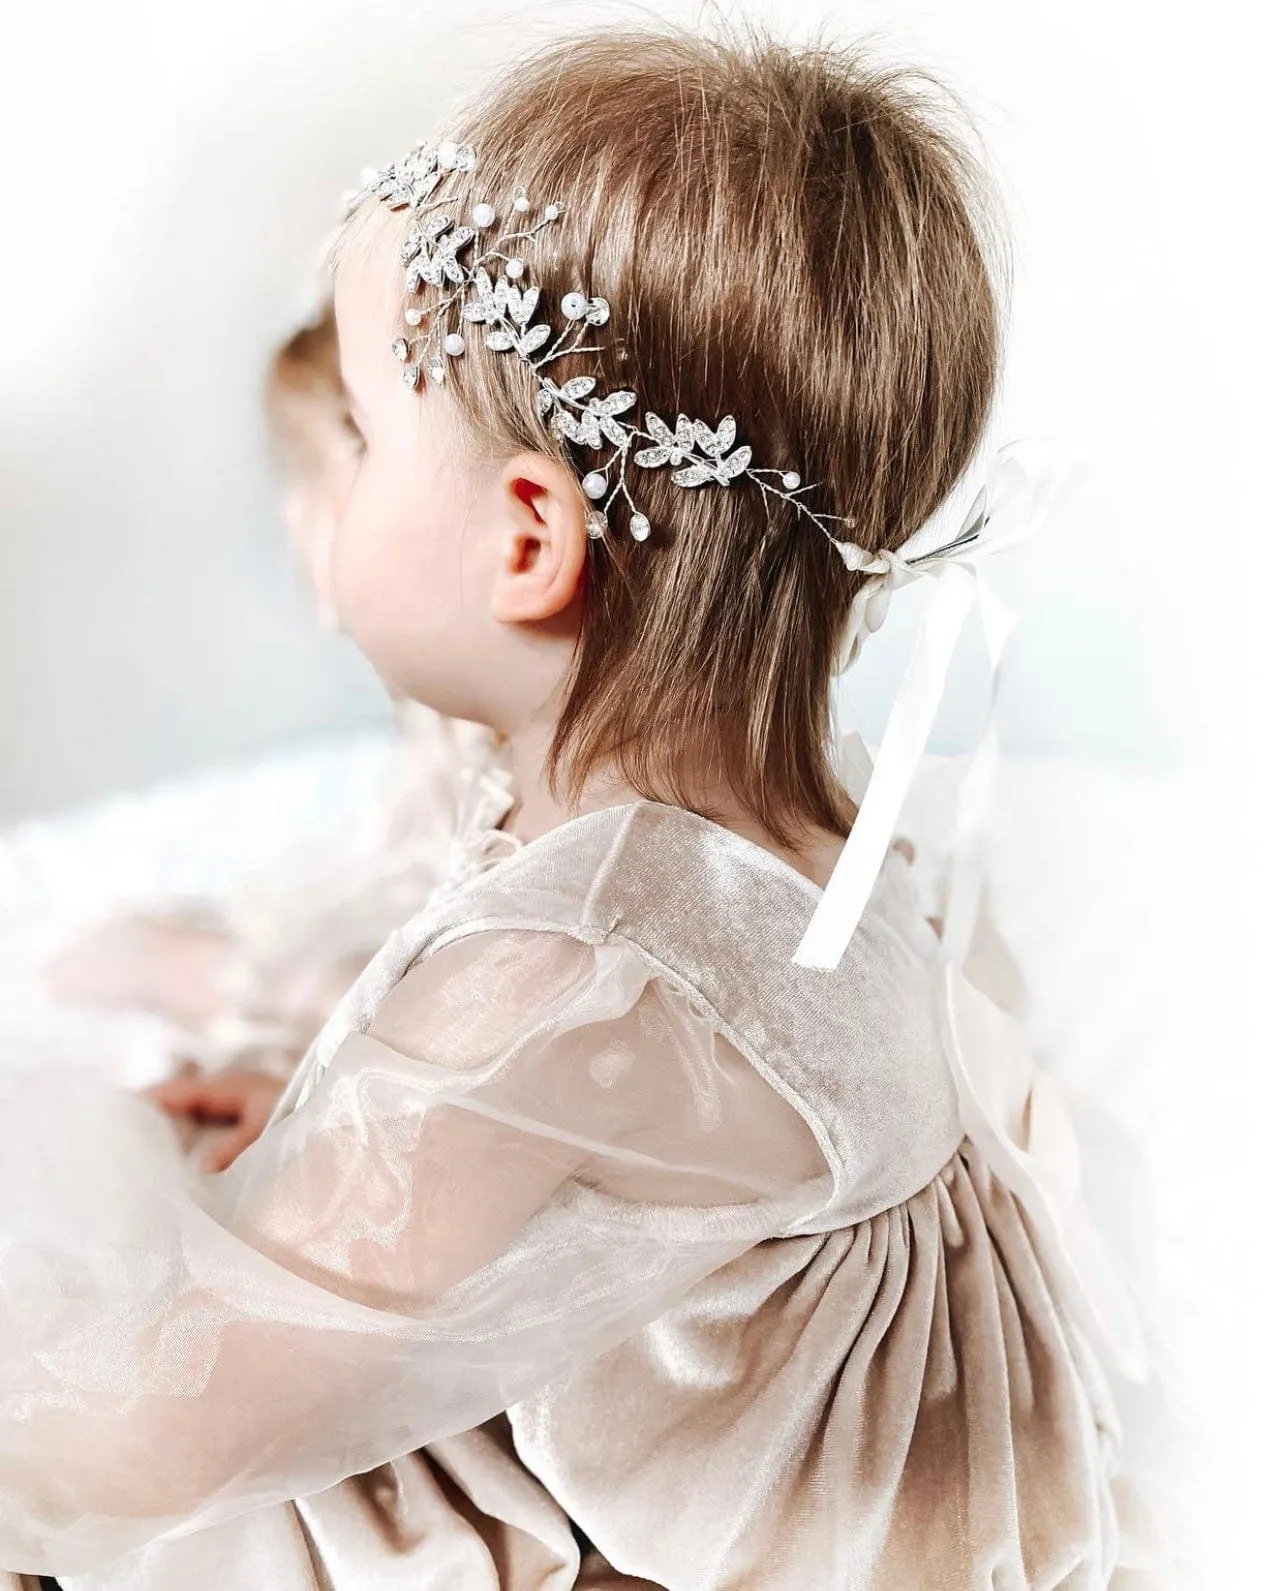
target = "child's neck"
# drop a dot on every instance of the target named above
(537, 809)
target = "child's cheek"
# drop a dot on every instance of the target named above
(369, 569)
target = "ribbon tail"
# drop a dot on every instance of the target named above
(846, 895)
(976, 789)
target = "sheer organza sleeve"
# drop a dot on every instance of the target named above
(536, 1147)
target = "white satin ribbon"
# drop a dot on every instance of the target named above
(1008, 1106)
(1017, 491)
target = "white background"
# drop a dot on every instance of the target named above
(169, 171)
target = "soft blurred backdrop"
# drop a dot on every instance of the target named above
(170, 172)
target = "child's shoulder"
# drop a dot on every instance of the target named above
(698, 896)
(717, 918)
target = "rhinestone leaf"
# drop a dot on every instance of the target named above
(499, 340)
(726, 470)
(579, 387)
(483, 306)
(522, 305)
(651, 458)
(616, 402)
(694, 475)
(535, 338)
(676, 443)
(716, 443)
(613, 431)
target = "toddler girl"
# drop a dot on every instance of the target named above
(597, 1241)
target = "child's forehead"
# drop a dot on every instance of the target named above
(366, 279)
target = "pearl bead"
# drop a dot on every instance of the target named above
(446, 153)
(454, 344)
(414, 316)
(514, 268)
(552, 211)
(483, 214)
(639, 527)
(594, 483)
(791, 480)
(574, 305)
(521, 202)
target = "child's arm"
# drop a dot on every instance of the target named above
(170, 964)
(537, 1146)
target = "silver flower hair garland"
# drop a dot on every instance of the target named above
(1016, 487)
(489, 292)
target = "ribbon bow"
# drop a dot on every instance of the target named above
(1017, 490)
(1008, 1106)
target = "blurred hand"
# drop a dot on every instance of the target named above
(236, 1105)
(143, 964)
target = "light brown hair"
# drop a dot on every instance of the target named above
(797, 237)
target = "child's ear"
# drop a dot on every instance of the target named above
(545, 540)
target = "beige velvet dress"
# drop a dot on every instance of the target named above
(594, 1244)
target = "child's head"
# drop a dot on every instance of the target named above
(308, 414)
(791, 237)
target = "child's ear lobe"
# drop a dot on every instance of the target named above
(545, 540)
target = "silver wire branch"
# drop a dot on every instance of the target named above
(697, 454)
